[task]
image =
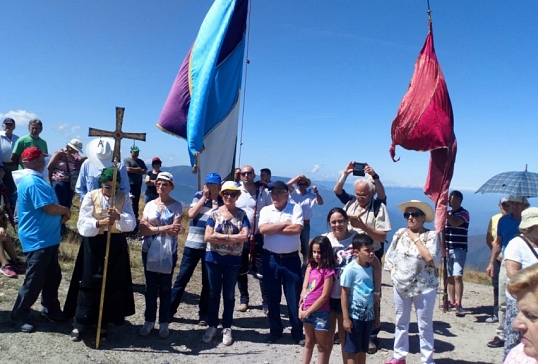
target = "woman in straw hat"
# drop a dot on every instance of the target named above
(96, 218)
(226, 230)
(412, 259)
(520, 253)
(62, 166)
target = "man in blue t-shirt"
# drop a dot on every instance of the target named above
(195, 246)
(507, 229)
(40, 218)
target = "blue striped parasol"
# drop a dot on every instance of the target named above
(521, 183)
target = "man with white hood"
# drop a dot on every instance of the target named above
(99, 152)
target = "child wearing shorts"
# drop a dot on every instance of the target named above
(314, 303)
(358, 296)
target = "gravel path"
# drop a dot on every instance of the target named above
(458, 340)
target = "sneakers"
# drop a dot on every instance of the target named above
(395, 361)
(18, 266)
(459, 311)
(210, 334)
(27, 327)
(492, 319)
(227, 337)
(163, 330)
(147, 328)
(497, 342)
(243, 307)
(8, 271)
(452, 306)
(23, 322)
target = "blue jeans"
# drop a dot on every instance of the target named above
(189, 261)
(158, 284)
(65, 196)
(284, 273)
(43, 275)
(63, 192)
(222, 277)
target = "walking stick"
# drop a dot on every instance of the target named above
(118, 135)
(105, 267)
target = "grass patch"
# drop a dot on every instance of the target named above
(475, 276)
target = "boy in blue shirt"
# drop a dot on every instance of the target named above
(361, 291)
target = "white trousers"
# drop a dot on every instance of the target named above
(424, 306)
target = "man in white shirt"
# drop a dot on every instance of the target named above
(7, 142)
(306, 199)
(252, 199)
(281, 223)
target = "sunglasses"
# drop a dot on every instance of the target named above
(109, 187)
(302, 184)
(246, 173)
(229, 194)
(415, 214)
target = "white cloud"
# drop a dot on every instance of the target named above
(68, 131)
(21, 117)
(315, 168)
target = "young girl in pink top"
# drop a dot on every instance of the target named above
(314, 303)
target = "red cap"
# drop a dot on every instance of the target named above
(31, 154)
(156, 159)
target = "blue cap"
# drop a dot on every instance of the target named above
(213, 178)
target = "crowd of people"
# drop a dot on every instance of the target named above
(331, 283)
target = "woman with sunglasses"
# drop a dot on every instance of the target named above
(226, 230)
(96, 218)
(160, 226)
(412, 260)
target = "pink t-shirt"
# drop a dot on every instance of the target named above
(316, 280)
(517, 356)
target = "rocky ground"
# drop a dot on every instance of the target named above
(458, 339)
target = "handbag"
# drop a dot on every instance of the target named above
(160, 258)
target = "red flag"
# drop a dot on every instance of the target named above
(425, 122)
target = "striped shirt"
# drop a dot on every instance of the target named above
(456, 236)
(195, 238)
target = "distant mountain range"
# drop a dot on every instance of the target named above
(480, 207)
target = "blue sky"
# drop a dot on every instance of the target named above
(324, 82)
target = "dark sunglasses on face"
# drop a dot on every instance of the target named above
(229, 194)
(109, 187)
(248, 173)
(302, 184)
(415, 214)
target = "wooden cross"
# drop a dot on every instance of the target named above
(117, 134)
